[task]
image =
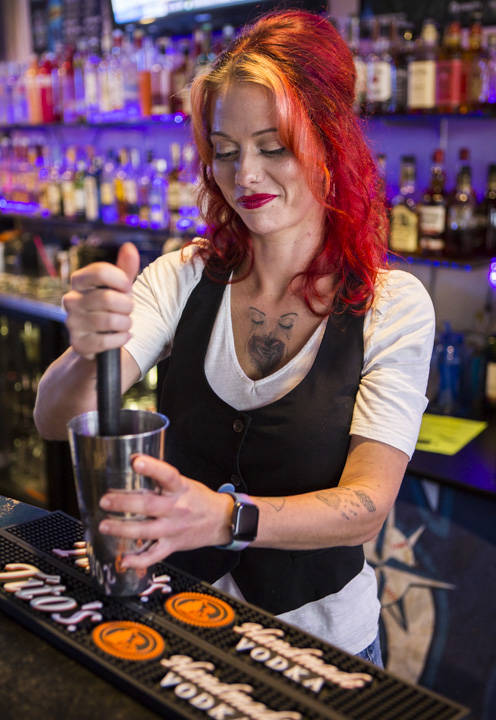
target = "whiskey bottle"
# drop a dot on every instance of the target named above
(449, 75)
(432, 210)
(487, 214)
(379, 71)
(404, 219)
(421, 95)
(461, 233)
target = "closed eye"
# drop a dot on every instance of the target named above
(277, 151)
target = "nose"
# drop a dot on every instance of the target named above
(249, 170)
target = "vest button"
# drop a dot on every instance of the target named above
(238, 425)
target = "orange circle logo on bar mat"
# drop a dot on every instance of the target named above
(200, 609)
(128, 640)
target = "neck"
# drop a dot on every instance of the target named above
(276, 260)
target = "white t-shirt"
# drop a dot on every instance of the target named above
(398, 334)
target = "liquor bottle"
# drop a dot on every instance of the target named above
(131, 187)
(188, 187)
(33, 92)
(115, 76)
(432, 210)
(491, 69)
(119, 179)
(91, 76)
(401, 52)
(353, 40)
(45, 89)
(108, 205)
(490, 381)
(475, 72)
(379, 71)
(179, 79)
(160, 79)
(205, 56)
(174, 194)
(79, 192)
(67, 87)
(54, 189)
(130, 83)
(144, 180)
(92, 187)
(67, 184)
(42, 180)
(78, 63)
(145, 52)
(461, 236)
(449, 75)
(421, 95)
(487, 214)
(157, 196)
(404, 219)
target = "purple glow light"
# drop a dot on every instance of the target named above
(492, 273)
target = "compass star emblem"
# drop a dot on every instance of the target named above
(408, 609)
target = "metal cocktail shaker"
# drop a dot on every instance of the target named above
(101, 463)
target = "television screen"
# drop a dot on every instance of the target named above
(180, 14)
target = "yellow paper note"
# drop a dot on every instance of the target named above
(447, 435)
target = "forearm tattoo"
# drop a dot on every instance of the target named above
(277, 503)
(268, 340)
(347, 504)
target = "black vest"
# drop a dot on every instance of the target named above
(297, 444)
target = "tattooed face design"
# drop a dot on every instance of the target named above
(269, 338)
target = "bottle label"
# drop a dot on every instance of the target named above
(379, 81)
(91, 89)
(461, 217)
(404, 229)
(107, 193)
(449, 82)
(79, 200)
(491, 382)
(432, 219)
(91, 198)
(53, 198)
(130, 191)
(422, 84)
(361, 79)
(69, 198)
(432, 244)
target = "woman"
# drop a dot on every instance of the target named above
(297, 362)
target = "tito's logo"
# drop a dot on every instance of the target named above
(128, 640)
(200, 609)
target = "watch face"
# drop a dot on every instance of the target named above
(245, 522)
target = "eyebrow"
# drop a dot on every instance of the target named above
(259, 132)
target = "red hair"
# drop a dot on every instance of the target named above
(305, 63)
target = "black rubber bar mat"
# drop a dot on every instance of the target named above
(188, 651)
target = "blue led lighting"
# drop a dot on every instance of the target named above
(492, 273)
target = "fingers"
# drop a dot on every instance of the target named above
(99, 304)
(128, 260)
(167, 476)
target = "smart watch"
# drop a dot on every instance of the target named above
(244, 520)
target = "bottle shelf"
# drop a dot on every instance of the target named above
(83, 226)
(102, 122)
(467, 264)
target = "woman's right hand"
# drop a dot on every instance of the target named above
(99, 303)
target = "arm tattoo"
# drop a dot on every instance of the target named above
(365, 500)
(346, 504)
(276, 503)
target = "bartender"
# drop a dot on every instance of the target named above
(297, 361)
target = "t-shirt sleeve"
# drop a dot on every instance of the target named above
(398, 338)
(160, 293)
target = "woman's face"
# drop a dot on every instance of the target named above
(260, 178)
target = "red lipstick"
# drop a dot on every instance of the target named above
(250, 202)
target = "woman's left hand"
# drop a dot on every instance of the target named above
(185, 515)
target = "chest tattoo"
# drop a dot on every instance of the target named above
(268, 340)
